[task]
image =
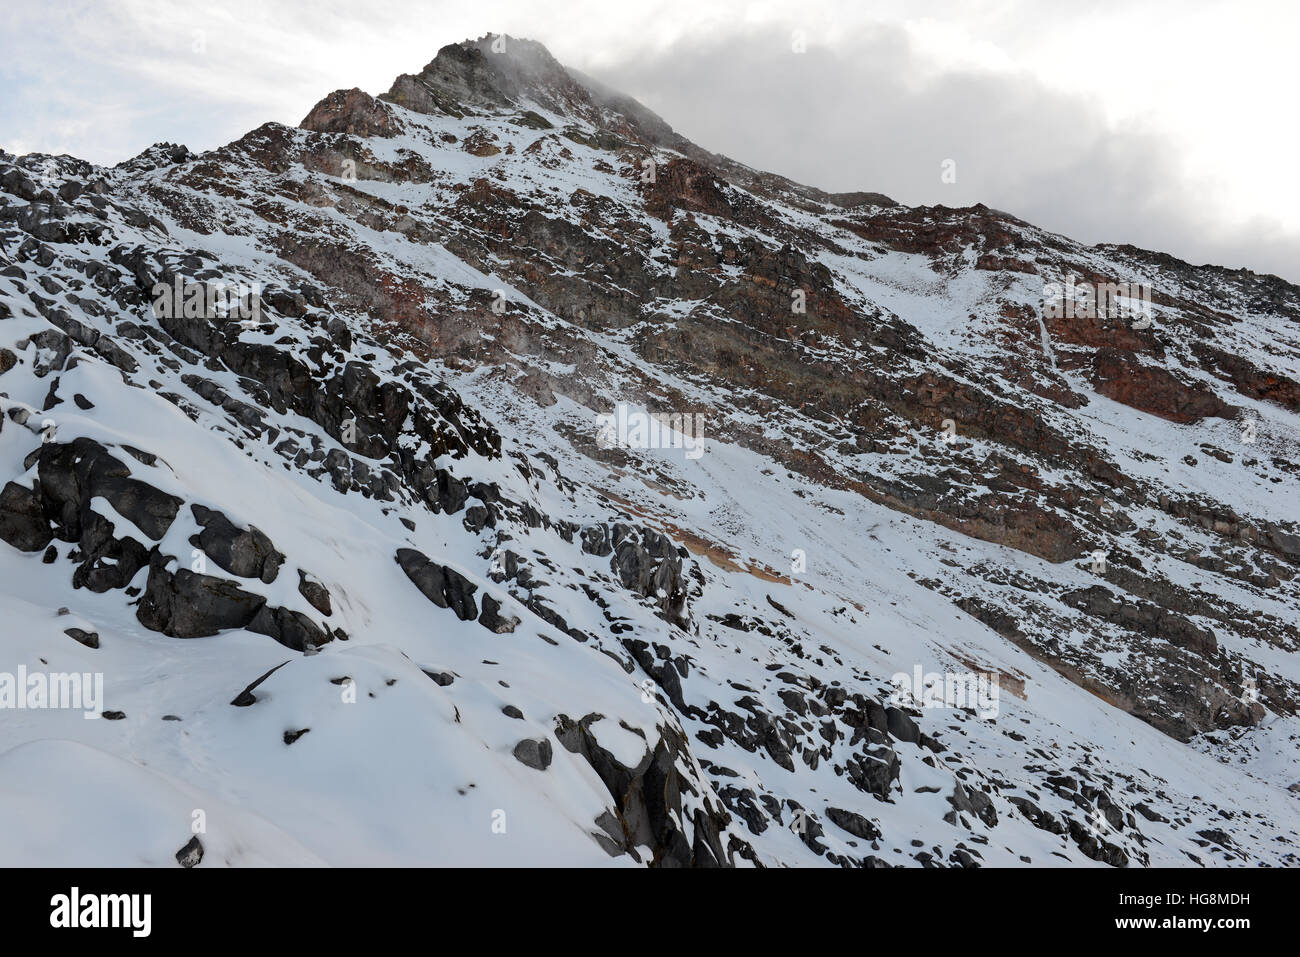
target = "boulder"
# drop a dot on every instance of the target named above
(22, 519)
(247, 553)
(188, 605)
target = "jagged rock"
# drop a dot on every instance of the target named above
(875, 772)
(973, 801)
(246, 697)
(191, 854)
(648, 798)
(72, 475)
(353, 112)
(492, 619)
(1038, 817)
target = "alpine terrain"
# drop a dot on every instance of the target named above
(484, 474)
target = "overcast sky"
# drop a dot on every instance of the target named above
(1170, 124)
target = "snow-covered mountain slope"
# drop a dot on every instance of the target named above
(385, 560)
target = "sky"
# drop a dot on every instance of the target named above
(1169, 124)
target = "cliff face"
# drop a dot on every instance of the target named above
(341, 404)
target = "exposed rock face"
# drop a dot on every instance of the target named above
(352, 112)
(1121, 376)
(904, 462)
(687, 185)
(650, 798)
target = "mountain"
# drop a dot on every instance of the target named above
(482, 473)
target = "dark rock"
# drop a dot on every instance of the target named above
(534, 752)
(317, 595)
(902, 727)
(648, 800)
(191, 854)
(292, 629)
(22, 519)
(443, 586)
(88, 638)
(854, 823)
(973, 801)
(493, 621)
(246, 697)
(188, 605)
(247, 553)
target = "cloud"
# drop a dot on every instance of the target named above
(875, 113)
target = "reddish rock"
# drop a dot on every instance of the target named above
(481, 143)
(1120, 375)
(351, 111)
(685, 184)
(1250, 380)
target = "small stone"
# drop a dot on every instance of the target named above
(190, 854)
(534, 752)
(88, 638)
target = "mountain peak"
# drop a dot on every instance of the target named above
(494, 72)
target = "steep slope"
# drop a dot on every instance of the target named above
(340, 405)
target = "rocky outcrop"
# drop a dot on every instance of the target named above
(444, 586)
(183, 604)
(352, 112)
(650, 799)
(1122, 376)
